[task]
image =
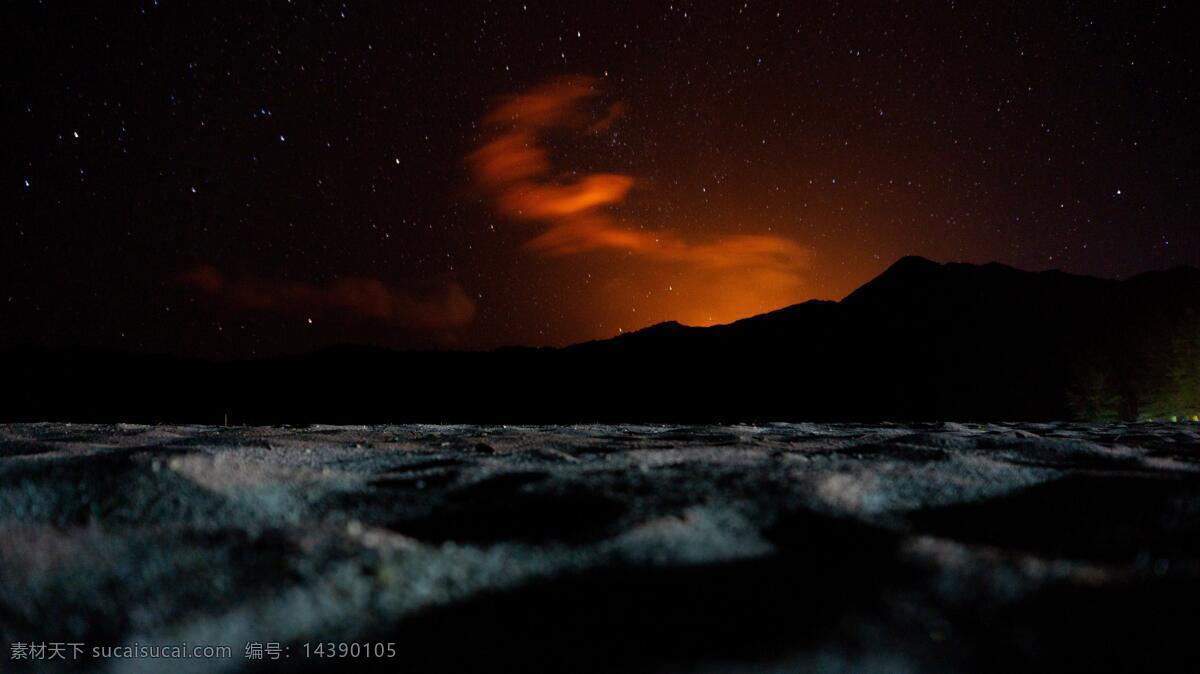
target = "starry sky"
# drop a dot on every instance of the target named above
(249, 179)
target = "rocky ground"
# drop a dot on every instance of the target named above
(825, 548)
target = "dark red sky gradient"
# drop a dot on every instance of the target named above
(237, 179)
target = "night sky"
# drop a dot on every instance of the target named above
(247, 179)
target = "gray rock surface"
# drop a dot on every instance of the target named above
(791, 547)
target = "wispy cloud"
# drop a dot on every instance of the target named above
(514, 169)
(445, 308)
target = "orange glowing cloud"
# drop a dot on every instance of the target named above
(514, 166)
(515, 172)
(446, 308)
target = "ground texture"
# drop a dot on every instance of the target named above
(826, 548)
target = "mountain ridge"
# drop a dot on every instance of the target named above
(922, 340)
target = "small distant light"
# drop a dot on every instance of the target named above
(310, 321)
(282, 139)
(75, 133)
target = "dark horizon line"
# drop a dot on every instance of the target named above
(363, 346)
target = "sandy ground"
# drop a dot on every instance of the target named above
(826, 548)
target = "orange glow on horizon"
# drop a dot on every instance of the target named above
(667, 274)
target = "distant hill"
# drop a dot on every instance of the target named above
(921, 341)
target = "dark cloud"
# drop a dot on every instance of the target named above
(446, 308)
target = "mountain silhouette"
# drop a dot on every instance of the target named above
(922, 341)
